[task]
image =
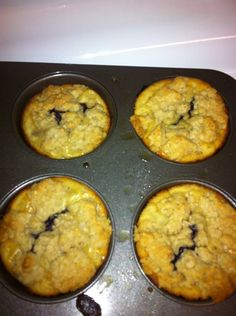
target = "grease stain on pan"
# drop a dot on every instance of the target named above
(123, 236)
(127, 135)
(105, 282)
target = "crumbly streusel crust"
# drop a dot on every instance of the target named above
(181, 119)
(66, 121)
(186, 242)
(54, 236)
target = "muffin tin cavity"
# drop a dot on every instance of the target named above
(65, 121)
(48, 227)
(177, 233)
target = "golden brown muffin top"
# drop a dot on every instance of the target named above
(186, 242)
(54, 236)
(181, 119)
(66, 121)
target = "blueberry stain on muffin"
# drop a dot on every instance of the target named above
(178, 120)
(84, 107)
(191, 108)
(48, 227)
(50, 221)
(177, 256)
(57, 115)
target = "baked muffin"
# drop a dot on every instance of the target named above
(54, 236)
(185, 240)
(66, 121)
(181, 119)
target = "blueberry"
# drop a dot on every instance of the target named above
(194, 231)
(191, 108)
(57, 115)
(84, 107)
(177, 256)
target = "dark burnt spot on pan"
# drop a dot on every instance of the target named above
(181, 250)
(48, 227)
(57, 115)
(87, 306)
(86, 165)
(150, 289)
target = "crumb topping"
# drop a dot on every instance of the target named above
(186, 242)
(181, 119)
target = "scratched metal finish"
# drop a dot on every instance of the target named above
(122, 170)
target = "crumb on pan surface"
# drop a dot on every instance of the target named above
(66, 121)
(181, 119)
(185, 240)
(54, 236)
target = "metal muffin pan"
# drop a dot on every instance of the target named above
(16, 287)
(122, 170)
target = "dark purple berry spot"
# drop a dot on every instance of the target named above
(191, 107)
(48, 227)
(50, 222)
(177, 256)
(51, 219)
(87, 306)
(194, 231)
(84, 107)
(57, 115)
(35, 235)
(179, 119)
